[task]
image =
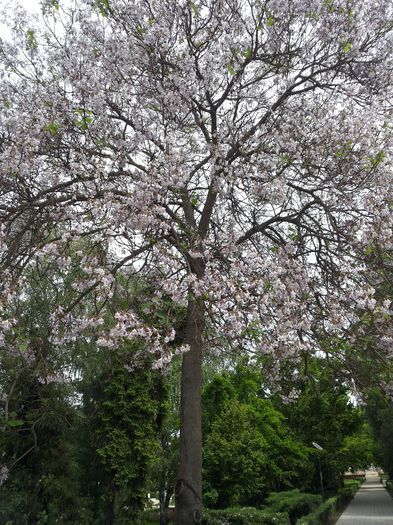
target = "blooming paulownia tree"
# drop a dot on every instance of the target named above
(235, 154)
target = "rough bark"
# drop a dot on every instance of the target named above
(165, 496)
(110, 512)
(188, 487)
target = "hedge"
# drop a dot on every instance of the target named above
(321, 515)
(244, 516)
(284, 508)
(356, 483)
(389, 484)
(296, 503)
(348, 491)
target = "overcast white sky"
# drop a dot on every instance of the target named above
(29, 5)
(32, 6)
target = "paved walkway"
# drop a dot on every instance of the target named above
(372, 505)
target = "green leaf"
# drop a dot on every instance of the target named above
(163, 316)
(103, 7)
(345, 150)
(378, 158)
(270, 21)
(52, 128)
(139, 30)
(369, 251)
(83, 111)
(13, 423)
(86, 118)
(31, 39)
(230, 69)
(84, 124)
(47, 5)
(346, 47)
(96, 52)
(267, 286)
(194, 8)
(285, 160)
(22, 347)
(247, 53)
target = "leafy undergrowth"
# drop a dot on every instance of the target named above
(244, 516)
(283, 508)
(294, 502)
(324, 513)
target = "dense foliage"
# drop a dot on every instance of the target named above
(88, 450)
(79, 428)
(245, 516)
(248, 449)
(380, 414)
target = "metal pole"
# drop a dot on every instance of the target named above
(318, 446)
(320, 475)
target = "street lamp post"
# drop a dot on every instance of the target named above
(317, 446)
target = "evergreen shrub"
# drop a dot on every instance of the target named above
(294, 502)
(347, 492)
(322, 514)
(244, 516)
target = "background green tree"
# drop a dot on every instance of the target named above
(120, 411)
(323, 412)
(248, 449)
(379, 410)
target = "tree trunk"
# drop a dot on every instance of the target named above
(165, 496)
(188, 487)
(110, 511)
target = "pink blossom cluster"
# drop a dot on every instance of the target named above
(233, 153)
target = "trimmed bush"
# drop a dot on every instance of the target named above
(244, 516)
(348, 491)
(321, 515)
(353, 482)
(294, 502)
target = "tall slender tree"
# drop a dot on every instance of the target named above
(234, 152)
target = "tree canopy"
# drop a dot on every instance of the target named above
(235, 153)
